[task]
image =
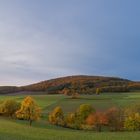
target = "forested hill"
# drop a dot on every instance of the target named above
(79, 84)
(82, 85)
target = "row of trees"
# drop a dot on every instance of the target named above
(113, 119)
(26, 110)
(85, 117)
(73, 91)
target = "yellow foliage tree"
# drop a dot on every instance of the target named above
(8, 107)
(29, 110)
(98, 90)
(70, 119)
(57, 116)
(132, 122)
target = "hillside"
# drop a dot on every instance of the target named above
(8, 89)
(81, 84)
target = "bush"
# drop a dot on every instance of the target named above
(115, 118)
(132, 109)
(9, 107)
(77, 120)
(57, 116)
(83, 112)
(132, 117)
(70, 119)
(97, 120)
(132, 122)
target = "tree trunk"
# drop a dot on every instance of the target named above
(99, 128)
(30, 122)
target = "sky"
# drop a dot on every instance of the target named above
(45, 39)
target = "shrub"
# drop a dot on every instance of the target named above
(9, 107)
(132, 122)
(115, 118)
(83, 111)
(77, 120)
(57, 116)
(132, 109)
(97, 120)
(70, 119)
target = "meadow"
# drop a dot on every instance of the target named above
(41, 130)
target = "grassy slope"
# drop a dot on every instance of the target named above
(100, 102)
(103, 101)
(19, 130)
(11, 130)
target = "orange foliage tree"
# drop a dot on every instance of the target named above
(97, 120)
(115, 118)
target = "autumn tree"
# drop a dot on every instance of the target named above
(115, 118)
(83, 111)
(132, 122)
(135, 108)
(75, 95)
(57, 116)
(97, 120)
(77, 119)
(70, 119)
(98, 91)
(29, 110)
(8, 107)
(65, 91)
(132, 117)
(75, 87)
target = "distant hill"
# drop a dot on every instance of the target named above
(8, 89)
(81, 84)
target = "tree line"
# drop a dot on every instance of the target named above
(26, 110)
(85, 117)
(81, 87)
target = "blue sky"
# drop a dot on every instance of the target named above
(43, 39)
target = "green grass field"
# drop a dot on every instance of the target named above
(42, 130)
